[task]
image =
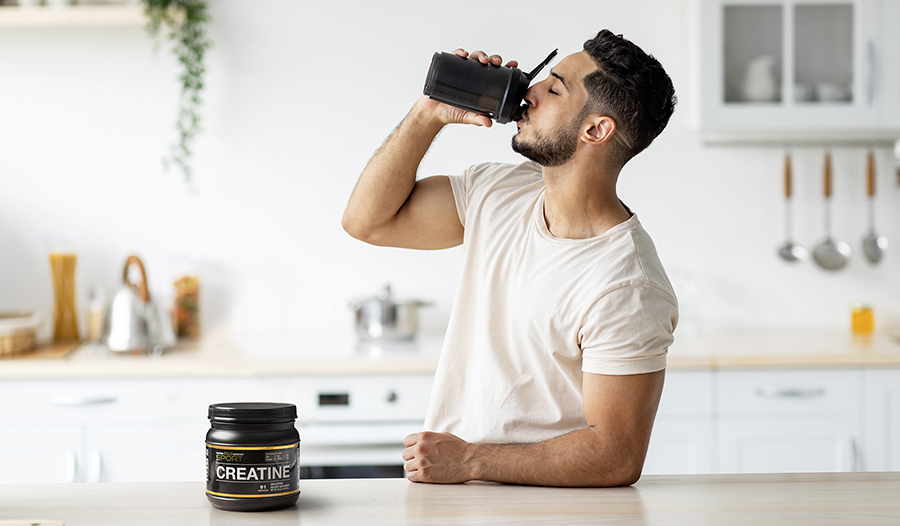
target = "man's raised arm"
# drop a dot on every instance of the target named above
(388, 206)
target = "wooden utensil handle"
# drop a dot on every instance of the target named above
(787, 176)
(143, 292)
(870, 173)
(827, 174)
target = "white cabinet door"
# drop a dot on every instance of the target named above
(164, 452)
(680, 447)
(789, 421)
(682, 438)
(41, 454)
(803, 68)
(890, 54)
(882, 416)
(789, 445)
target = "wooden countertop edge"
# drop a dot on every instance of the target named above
(220, 358)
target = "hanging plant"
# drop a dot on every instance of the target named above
(187, 22)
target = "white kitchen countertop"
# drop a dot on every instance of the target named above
(223, 356)
(858, 499)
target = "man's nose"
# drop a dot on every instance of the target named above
(530, 96)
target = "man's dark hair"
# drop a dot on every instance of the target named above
(631, 87)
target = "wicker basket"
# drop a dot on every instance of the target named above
(18, 332)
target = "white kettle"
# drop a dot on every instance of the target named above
(133, 323)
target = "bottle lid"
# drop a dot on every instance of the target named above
(252, 412)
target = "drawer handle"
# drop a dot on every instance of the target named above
(770, 391)
(79, 401)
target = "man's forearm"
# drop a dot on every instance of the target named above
(390, 176)
(586, 457)
(580, 458)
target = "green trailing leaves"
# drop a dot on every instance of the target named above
(186, 22)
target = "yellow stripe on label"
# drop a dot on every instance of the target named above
(253, 448)
(252, 496)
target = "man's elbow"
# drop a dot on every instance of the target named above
(356, 228)
(351, 227)
(622, 474)
(629, 476)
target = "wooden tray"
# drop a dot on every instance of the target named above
(47, 351)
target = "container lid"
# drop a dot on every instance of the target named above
(253, 412)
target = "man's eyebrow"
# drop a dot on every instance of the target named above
(557, 75)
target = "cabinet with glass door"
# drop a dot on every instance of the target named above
(799, 69)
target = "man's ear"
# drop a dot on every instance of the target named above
(601, 129)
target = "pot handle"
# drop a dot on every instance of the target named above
(143, 292)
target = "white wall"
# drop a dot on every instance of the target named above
(300, 94)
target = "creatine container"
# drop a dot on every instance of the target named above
(252, 455)
(486, 89)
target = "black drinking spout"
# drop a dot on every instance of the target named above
(538, 69)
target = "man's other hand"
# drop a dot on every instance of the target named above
(438, 458)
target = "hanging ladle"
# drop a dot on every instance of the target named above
(789, 251)
(829, 254)
(873, 244)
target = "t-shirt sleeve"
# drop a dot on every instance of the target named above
(629, 331)
(459, 183)
(472, 186)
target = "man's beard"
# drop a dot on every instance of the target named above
(554, 149)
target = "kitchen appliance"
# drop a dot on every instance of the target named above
(133, 322)
(381, 319)
(353, 426)
(830, 254)
(789, 251)
(486, 89)
(873, 244)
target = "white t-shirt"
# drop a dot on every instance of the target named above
(533, 311)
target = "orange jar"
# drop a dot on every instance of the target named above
(862, 320)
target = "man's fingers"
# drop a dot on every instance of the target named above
(484, 58)
(411, 440)
(479, 55)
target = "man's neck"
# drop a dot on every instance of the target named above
(581, 203)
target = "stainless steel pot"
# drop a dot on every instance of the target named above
(133, 322)
(381, 319)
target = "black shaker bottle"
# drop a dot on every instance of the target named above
(486, 89)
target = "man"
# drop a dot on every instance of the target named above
(555, 354)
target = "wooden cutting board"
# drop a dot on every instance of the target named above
(48, 351)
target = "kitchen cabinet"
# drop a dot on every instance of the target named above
(789, 421)
(710, 420)
(882, 419)
(802, 70)
(154, 429)
(160, 452)
(39, 454)
(110, 430)
(890, 32)
(682, 437)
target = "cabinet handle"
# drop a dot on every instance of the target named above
(96, 470)
(848, 455)
(78, 401)
(771, 391)
(71, 466)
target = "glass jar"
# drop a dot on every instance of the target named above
(862, 319)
